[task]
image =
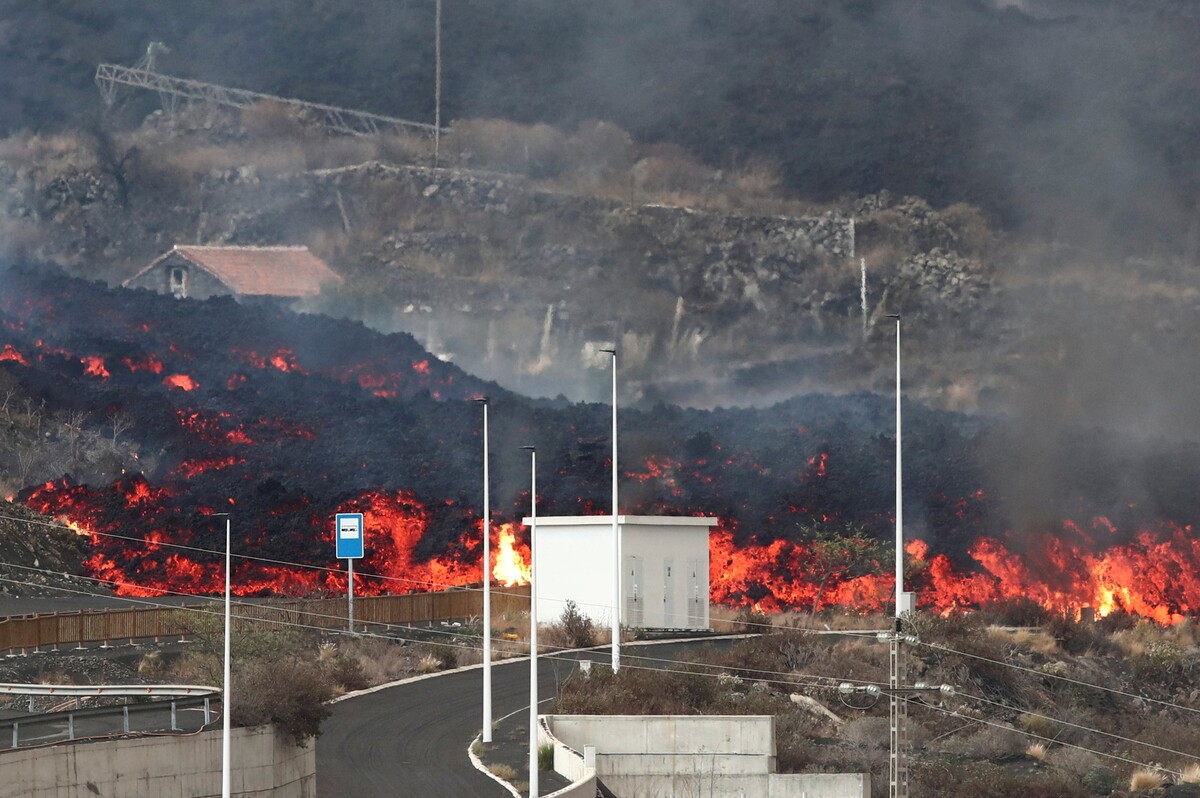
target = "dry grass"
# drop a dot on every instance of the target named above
(1037, 751)
(1190, 774)
(38, 148)
(1038, 724)
(381, 661)
(501, 770)
(1039, 641)
(1143, 779)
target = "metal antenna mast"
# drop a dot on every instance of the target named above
(171, 90)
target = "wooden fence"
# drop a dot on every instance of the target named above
(22, 633)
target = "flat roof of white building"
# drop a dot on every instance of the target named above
(606, 520)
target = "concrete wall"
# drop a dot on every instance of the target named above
(265, 765)
(720, 756)
(665, 582)
(579, 767)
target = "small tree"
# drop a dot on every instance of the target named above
(580, 630)
(840, 554)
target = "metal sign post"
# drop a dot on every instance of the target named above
(348, 534)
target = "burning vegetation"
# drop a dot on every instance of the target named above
(284, 420)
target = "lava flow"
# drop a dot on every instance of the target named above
(284, 420)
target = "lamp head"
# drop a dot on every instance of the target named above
(612, 352)
(482, 400)
(529, 448)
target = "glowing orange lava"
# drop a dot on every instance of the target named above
(12, 354)
(93, 366)
(180, 382)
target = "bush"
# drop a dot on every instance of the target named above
(286, 691)
(533, 150)
(579, 629)
(1022, 611)
(347, 672)
(1099, 780)
(1081, 638)
(598, 148)
(545, 756)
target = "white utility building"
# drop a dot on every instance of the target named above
(664, 582)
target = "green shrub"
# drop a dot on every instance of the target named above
(545, 756)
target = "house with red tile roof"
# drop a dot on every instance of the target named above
(199, 272)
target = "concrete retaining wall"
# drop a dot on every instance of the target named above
(644, 756)
(265, 765)
(579, 767)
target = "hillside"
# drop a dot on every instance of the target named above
(1070, 118)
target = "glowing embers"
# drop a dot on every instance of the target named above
(180, 382)
(93, 366)
(200, 465)
(150, 363)
(10, 353)
(282, 359)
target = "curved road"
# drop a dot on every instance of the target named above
(412, 739)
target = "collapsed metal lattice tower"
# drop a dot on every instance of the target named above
(171, 90)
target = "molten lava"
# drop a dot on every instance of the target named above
(93, 366)
(180, 382)
(289, 419)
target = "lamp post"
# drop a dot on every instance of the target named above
(898, 761)
(226, 773)
(616, 530)
(899, 483)
(437, 83)
(486, 734)
(533, 644)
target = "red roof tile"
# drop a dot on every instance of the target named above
(264, 271)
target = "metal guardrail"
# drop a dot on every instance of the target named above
(25, 633)
(171, 90)
(158, 717)
(109, 690)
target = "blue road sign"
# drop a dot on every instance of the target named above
(348, 531)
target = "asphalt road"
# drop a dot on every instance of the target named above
(412, 739)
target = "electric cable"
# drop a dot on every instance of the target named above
(1078, 726)
(1024, 733)
(1115, 691)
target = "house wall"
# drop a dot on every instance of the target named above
(575, 557)
(200, 284)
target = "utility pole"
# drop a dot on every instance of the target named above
(437, 82)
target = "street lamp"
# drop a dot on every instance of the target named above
(898, 710)
(487, 584)
(899, 483)
(533, 644)
(616, 610)
(226, 774)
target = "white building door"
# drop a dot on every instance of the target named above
(696, 597)
(669, 620)
(634, 592)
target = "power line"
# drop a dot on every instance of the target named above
(1115, 691)
(1079, 726)
(1024, 733)
(794, 680)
